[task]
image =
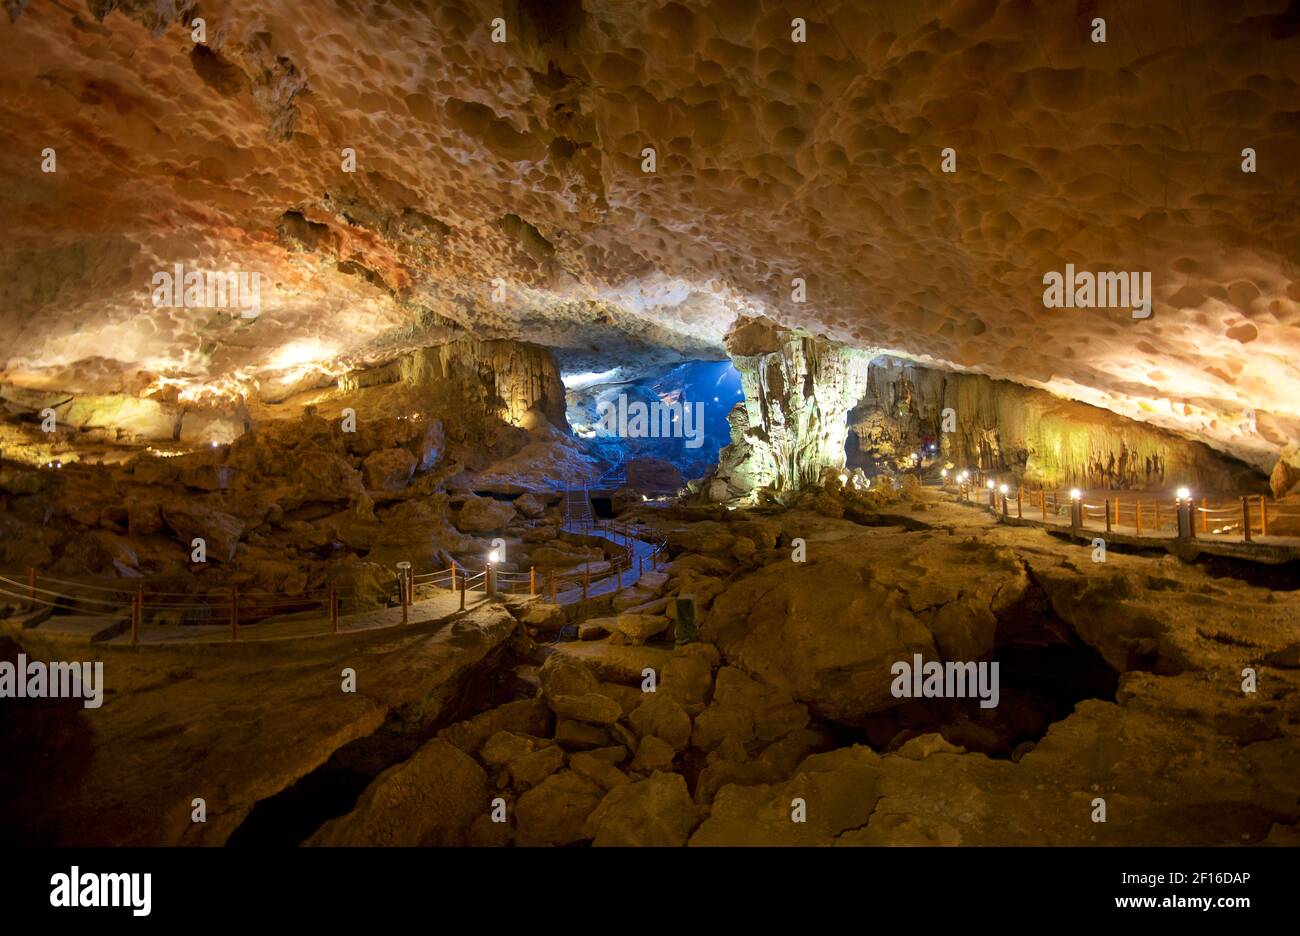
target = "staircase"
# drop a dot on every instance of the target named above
(614, 478)
(577, 508)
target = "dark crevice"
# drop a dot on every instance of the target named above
(331, 790)
(1045, 670)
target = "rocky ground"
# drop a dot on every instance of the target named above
(1121, 681)
(1122, 684)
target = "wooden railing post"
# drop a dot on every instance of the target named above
(1020, 513)
(1042, 503)
(532, 580)
(1137, 516)
(1263, 515)
(1205, 515)
(234, 614)
(1245, 519)
(453, 575)
(462, 592)
(1108, 515)
(137, 612)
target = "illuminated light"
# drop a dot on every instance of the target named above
(991, 485)
(1003, 489)
(494, 556)
(1075, 494)
(944, 473)
(843, 478)
(1183, 494)
(214, 443)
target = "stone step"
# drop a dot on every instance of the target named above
(89, 628)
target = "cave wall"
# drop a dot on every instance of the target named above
(501, 378)
(107, 426)
(1029, 434)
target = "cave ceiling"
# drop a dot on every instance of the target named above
(499, 187)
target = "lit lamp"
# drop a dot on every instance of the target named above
(1186, 525)
(1076, 508)
(993, 494)
(1002, 489)
(490, 573)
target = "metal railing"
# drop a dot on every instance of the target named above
(1246, 517)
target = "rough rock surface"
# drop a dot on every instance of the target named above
(1064, 151)
(429, 800)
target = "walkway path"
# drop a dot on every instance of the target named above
(642, 553)
(431, 604)
(1260, 548)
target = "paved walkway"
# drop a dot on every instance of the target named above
(437, 604)
(641, 551)
(1266, 549)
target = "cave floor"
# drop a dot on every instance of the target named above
(1180, 754)
(230, 723)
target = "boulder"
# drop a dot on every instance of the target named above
(637, 628)
(532, 769)
(657, 812)
(828, 631)
(484, 515)
(560, 676)
(599, 769)
(555, 811)
(596, 628)
(219, 530)
(530, 505)
(523, 717)
(506, 746)
(574, 735)
(653, 754)
(611, 663)
(661, 716)
(654, 475)
(591, 707)
(746, 711)
(431, 799)
(388, 469)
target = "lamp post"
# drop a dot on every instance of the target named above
(1002, 489)
(404, 584)
(1076, 508)
(1186, 525)
(992, 485)
(490, 574)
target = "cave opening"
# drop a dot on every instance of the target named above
(1044, 671)
(653, 428)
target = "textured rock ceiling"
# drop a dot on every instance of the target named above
(522, 161)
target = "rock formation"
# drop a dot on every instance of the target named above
(1022, 433)
(798, 391)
